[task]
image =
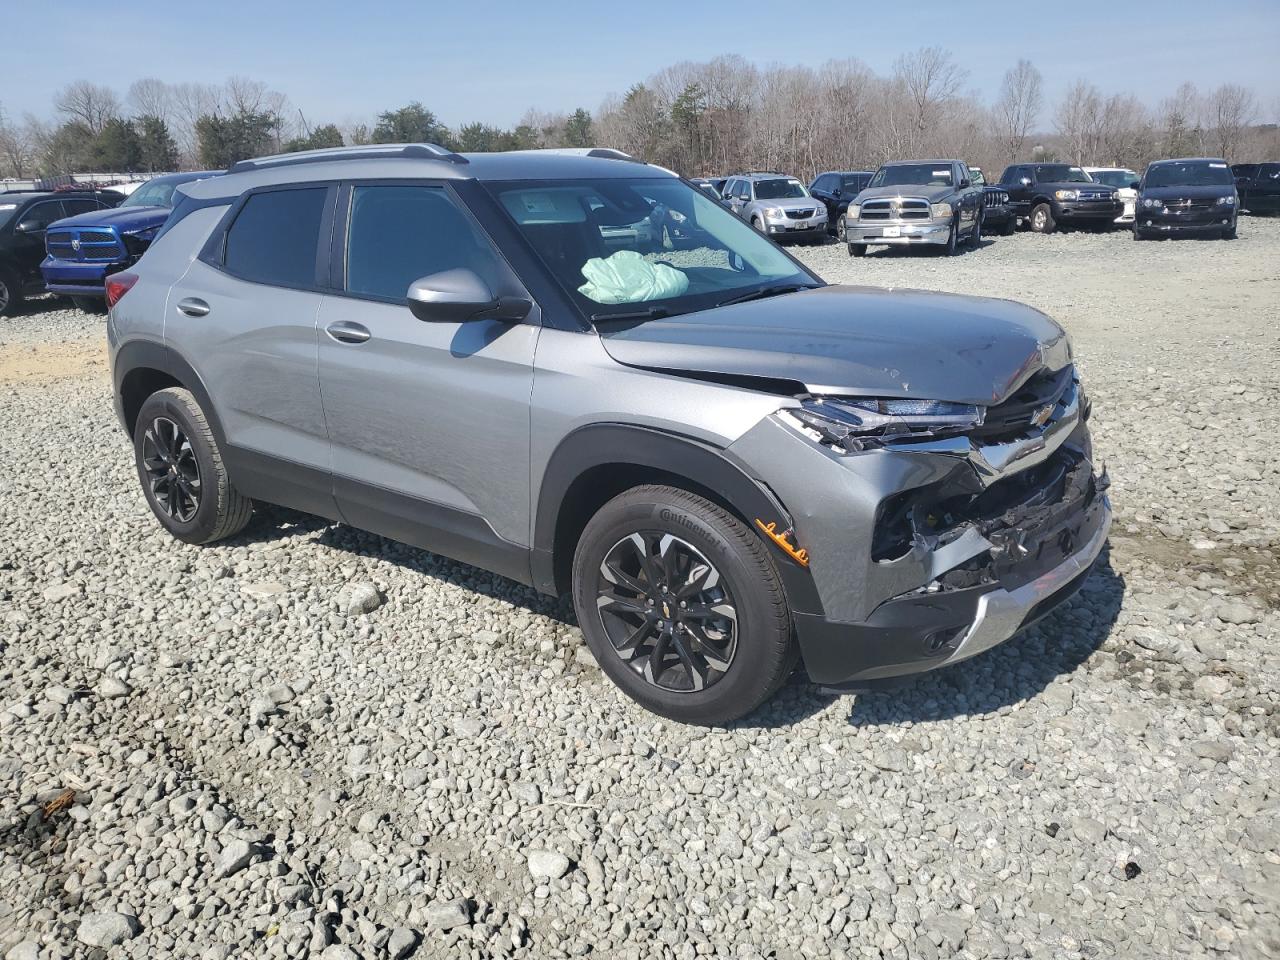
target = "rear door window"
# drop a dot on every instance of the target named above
(44, 213)
(80, 206)
(275, 237)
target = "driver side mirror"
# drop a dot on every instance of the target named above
(31, 226)
(965, 182)
(459, 295)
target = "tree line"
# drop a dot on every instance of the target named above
(699, 118)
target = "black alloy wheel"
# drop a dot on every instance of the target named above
(667, 611)
(172, 470)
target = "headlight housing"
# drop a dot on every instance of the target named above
(940, 211)
(1067, 194)
(854, 211)
(776, 212)
(1228, 201)
(1150, 202)
(856, 423)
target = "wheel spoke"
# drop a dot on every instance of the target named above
(613, 602)
(656, 656)
(706, 648)
(630, 645)
(612, 572)
(696, 671)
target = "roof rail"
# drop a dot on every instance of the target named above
(421, 151)
(603, 153)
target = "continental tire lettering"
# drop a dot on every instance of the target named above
(682, 520)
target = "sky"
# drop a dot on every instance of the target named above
(491, 61)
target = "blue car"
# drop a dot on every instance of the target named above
(83, 250)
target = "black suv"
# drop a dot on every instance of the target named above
(997, 213)
(24, 217)
(1194, 195)
(835, 189)
(1052, 195)
(1259, 186)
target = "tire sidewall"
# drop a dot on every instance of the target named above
(1047, 224)
(200, 528)
(748, 679)
(14, 300)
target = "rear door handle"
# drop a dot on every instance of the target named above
(193, 307)
(344, 331)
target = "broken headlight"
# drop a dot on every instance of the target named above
(855, 422)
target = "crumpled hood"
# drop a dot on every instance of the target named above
(930, 193)
(124, 219)
(857, 341)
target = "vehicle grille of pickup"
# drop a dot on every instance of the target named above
(909, 208)
(83, 245)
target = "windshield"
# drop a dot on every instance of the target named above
(780, 189)
(653, 241)
(1203, 174)
(157, 193)
(1115, 178)
(977, 177)
(1061, 173)
(917, 174)
(7, 210)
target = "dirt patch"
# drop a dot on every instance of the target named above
(46, 362)
(1252, 570)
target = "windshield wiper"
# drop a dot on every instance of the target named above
(763, 292)
(647, 313)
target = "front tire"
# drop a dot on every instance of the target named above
(682, 606)
(182, 472)
(953, 239)
(10, 293)
(1229, 233)
(1009, 227)
(1042, 218)
(757, 225)
(857, 249)
(1138, 234)
(975, 238)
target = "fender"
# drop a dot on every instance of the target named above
(151, 355)
(620, 444)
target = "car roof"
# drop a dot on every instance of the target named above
(765, 176)
(900, 163)
(20, 195)
(1158, 163)
(425, 161)
(185, 176)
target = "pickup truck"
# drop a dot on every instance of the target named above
(1052, 195)
(82, 250)
(915, 202)
(1259, 186)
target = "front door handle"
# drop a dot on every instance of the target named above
(193, 307)
(344, 331)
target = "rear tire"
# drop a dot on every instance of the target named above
(10, 293)
(182, 472)
(1042, 218)
(857, 249)
(721, 654)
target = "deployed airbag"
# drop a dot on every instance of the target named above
(627, 277)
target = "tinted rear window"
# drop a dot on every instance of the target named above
(274, 237)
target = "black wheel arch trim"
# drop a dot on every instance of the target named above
(136, 355)
(645, 448)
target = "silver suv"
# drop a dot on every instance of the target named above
(778, 205)
(727, 463)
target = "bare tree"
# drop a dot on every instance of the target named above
(929, 80)
(1018, 107)
(15, 148)
(150, 97)
(1231, 110)
(1181, 123)
(88, 103)
(1079, 121)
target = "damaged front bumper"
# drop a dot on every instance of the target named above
(926, 553)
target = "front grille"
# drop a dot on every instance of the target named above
(1014, 417)
(910, 208)
(94, 245)
(1092, 196)
(800, 214)
(1190, 206)
(997, 198)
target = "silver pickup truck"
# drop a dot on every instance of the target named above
(916, 202)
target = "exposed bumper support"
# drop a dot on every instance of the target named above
(1002, 613)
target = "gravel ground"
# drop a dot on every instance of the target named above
(308, 741)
